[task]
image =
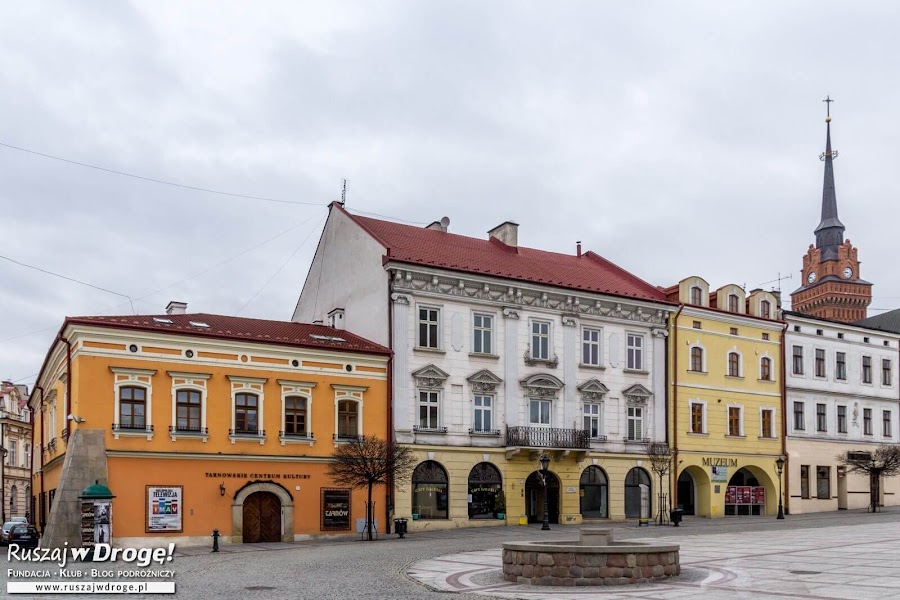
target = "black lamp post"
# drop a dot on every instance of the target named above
(545, 464)
(779, 468)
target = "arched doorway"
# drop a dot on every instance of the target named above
(687, 493)
(633, 481)
(261, 518)
(430, 491)
(485, 483)
(594, 493)
(534, 497)
(745, 495)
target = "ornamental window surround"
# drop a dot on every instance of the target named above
(247, 409)
(765, 368)
(348, 412)
(428, 334)
(735, 420)
(139, 396)
(634, 351)
(483, 333)
(189, 404)
(767, 422)
(296, 412)
(430, 381)
(484, 385)
(593, 392)
(698, 416)
(591, 345)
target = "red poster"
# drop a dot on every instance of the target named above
(730, 495)
(745, 495)
(759, 495)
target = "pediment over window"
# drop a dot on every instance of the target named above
(430, 376)
(542, 385)
(637, 394)
(593, 389)
(484, 381)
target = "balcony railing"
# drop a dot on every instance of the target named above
(189, 430)
(345, 437)
(547, 437)
(247, 432)
(292, 435)
(418, 429)
(484, 432)
(138, 428)
(629, 440)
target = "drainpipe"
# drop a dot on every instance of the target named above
(674, 480)
(68, 386)
(41, 497)
(31, 462)
(389, 495)
(787, 470)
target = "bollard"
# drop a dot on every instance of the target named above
(215, 537)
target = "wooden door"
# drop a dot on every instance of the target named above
(262, 518)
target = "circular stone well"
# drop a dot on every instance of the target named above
(593, 560)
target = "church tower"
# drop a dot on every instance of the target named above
(832, 287)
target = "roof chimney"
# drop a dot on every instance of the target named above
(439, 225)
(578, 247)
(176, 308)
(506, 232)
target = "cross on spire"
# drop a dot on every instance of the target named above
(828, 102)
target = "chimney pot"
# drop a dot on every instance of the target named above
(578, 246)
(506, 232)
(176, 308)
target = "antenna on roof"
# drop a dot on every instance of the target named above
(344, 194)
(777, 281)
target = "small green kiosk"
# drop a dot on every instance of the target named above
(96, 515)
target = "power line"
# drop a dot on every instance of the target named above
(154, 180)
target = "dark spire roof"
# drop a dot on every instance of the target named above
(830, 232)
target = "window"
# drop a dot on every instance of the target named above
(799, 419)
(132, 402)
(819, 332)
(483, 420)
(698, 325)
(886, 376)
(11, 455)
(27, 461)
(635, 423)
(540, 340)
(798, 360)
(697, 359)
(429, 491)
(821, 419)
(867, 421)
(348, 419)
(840, 336)
(766, 423)
(865, 340)
(765, 309)
(823, 483)
(842, 419)
(804, 481)
(635, 352)
(697, 409)
(485, 483)
(188, 410)
(820, 362)
(797, 328)
(840, 366)
(733, 331)
(429, 404)
(295, 415)
(886, 423)
(765, 368)
(732, 303)
(765, 336)
(594, 493)
(483, 327)
(592, 415)
(429, 320)
(246, 413)
(867, 369)
(734, 420)
(590, 347)
(696, 296)
(539, 412)
(734, 364)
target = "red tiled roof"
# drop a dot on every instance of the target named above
(285, 333)
(589, 272)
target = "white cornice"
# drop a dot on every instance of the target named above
(188, 375)
(132, 371)
(218, 456)
(728, 390)
(245, 380)
(712, 314)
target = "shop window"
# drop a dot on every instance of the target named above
(594, 493)
(132, 408)
(823, 483)
(804, 481)
(485, 485)
(430, 491)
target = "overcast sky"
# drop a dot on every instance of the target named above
(672, 138)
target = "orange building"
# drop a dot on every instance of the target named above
(199, 422)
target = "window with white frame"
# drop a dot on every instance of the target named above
(590, 346)
(483, 333)
(539, 412)
(592, 413)
(540, 340)
(429, 409)
(886, 372)
(483, 419)
(867, 369)
(841, 418)
(734, 364)
(697, 361)
(27, 460)
(51, 419)
(132, 407)
(767, 423)
(635, 423)
(634, 346)
(886, 423)
(820, 362)
(696, 296)
(765, 368)
(188, 410)
(698, 416)
(867, 421)
(733, 303)
(133, 402)
(347, 419)
(799, 416)
(12, 455)
(296, 417)
(840, 366)
(429, 327)
(246, 413)
(735, 421)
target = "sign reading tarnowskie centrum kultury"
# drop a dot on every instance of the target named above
(165, 508)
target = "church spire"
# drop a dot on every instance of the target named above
(830, 232)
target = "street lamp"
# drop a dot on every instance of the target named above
(545, 464)
(779, 468)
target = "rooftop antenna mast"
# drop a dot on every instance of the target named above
(344, 194)
(778, 280)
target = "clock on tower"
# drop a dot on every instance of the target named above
(832, 288)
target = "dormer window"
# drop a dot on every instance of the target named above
(765, 309)
(696, 296)
(733, 303)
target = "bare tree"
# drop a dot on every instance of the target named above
(368, 461)
(884, 462)
(660, 456)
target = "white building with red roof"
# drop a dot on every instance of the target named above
(502, 353)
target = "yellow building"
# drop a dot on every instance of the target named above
(725, 400)
(199, 422)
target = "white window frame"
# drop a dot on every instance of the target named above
(740, 365)
(740, 408)
(249, 385)
(127, 377)
(484, 331)
(774, 412)
(196, 382)
(765, 356)
(26, 457)
(890, 372)
(737, 303)
(439, 326)
(837, 370)
(794, 415)
(691, 295)
(629, 418)
(356, 394)
(815, 374)
(438, 405)
(837, 419)
(482, 409)
(890, 422)
(598, 415)
(690, 359)
(802, 372)
(702, 404)
(302, 389)
(541, 401)
(825, 413)
(13, 452)
(641, 352)
(862, 370)
(599, 345)
(533, 336)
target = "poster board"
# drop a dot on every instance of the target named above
(164, 509)
(335, 509)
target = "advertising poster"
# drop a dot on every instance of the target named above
(745, 495)
(102, 522)
(730, 495)
(335, 510)
(719, 474)
(165, 508)
(759, 495)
